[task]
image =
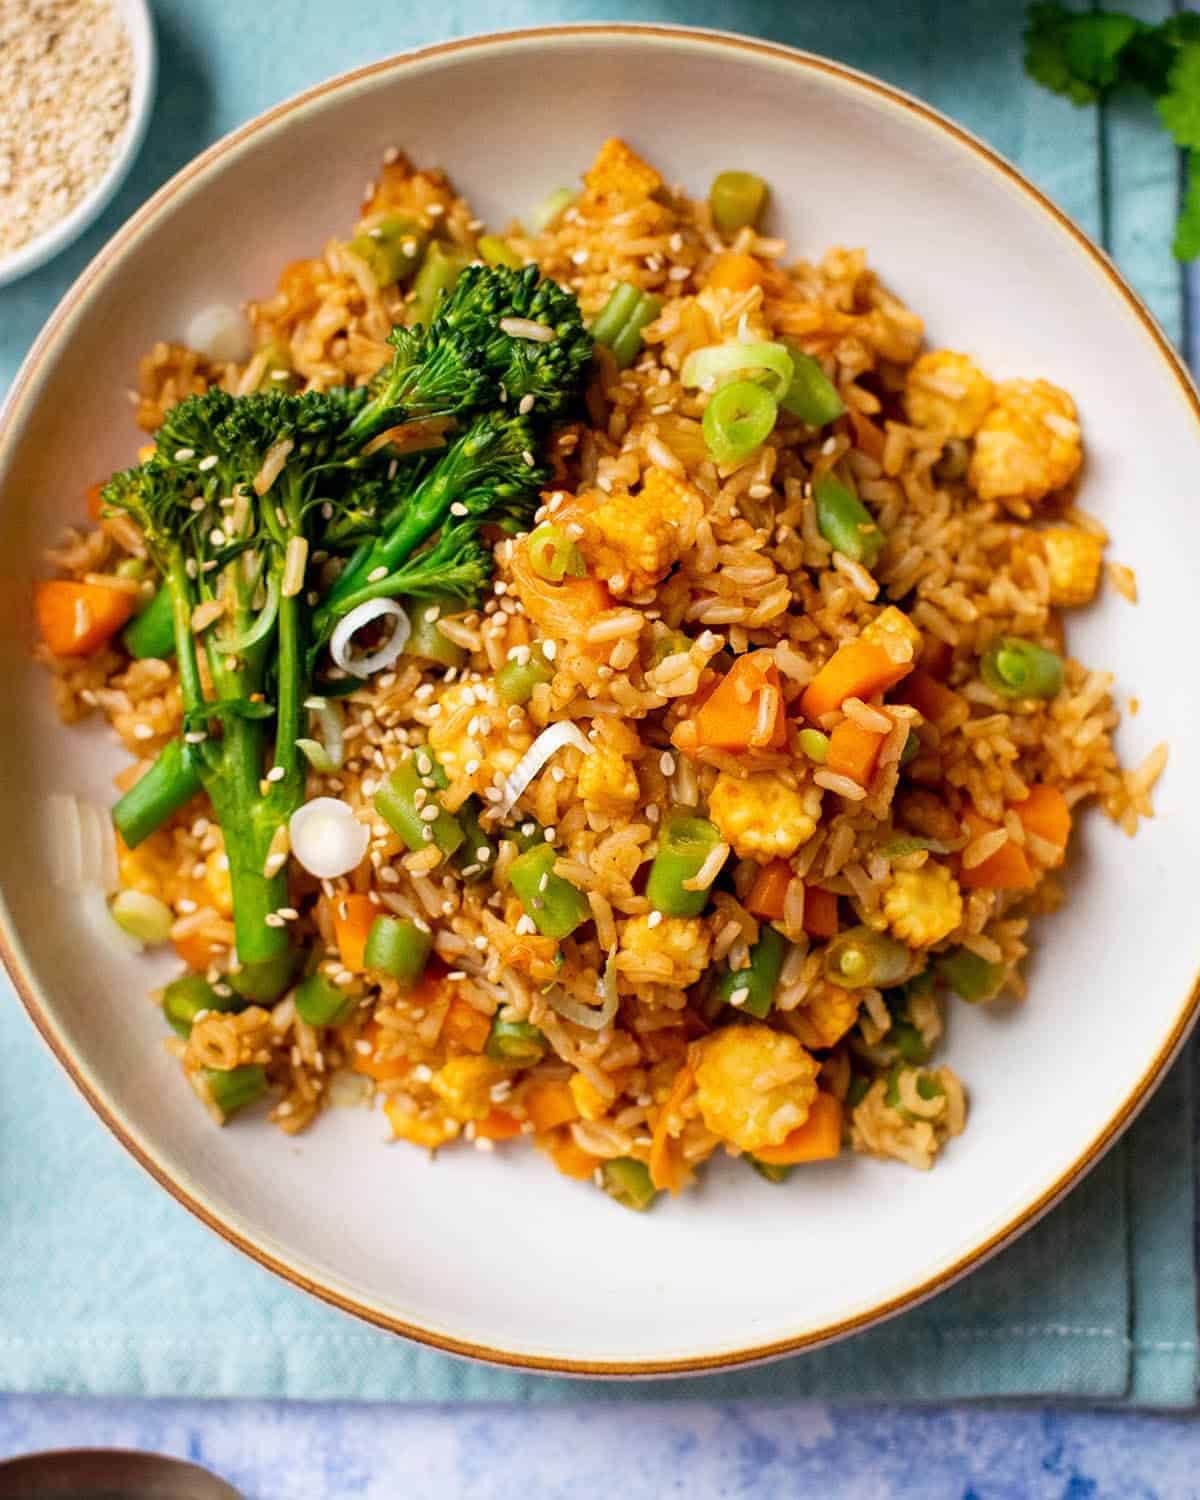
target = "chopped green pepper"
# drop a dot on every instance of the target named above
(627, 1180)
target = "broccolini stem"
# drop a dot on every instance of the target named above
(170, 782)
(290, 714)
(190, 686)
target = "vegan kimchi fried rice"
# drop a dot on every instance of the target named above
(733, 735)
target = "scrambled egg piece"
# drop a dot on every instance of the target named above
(464, 1085)
(619, 170)
(589, 1101)
(163, 866)
(468, 732)
(684, 940)
(607, 782)
(1028, 444)
(895, 632)
(762, 817)
(923, 906)
(633, 541)
(947, 392)
(1073, 560)
(421, 1129)
(754, 1086)
(826, 1016)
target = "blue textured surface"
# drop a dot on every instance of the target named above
(221, 66)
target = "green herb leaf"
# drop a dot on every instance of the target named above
(1179, 107)
(1187, 229)
(1075, 54)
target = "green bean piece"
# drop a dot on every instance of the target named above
(426, 640)
(1016, 668)
(672, 643)
(233, 1090)
(845, 522)
(814, 744)
(909, 1042)
(812, 397)
(737, 200)
(151, 632)
(528, 834)
(403, 797)
(857, 1090)
(620, 321)
(391, 249)
(515, 1042)
(554, 906)
(683, 847)
(752, 990)
(769, 1170)
(517, 678)
(970, 977)
(398, 947)
(861, 958)
(170, 782)
(441, 268)
(498, 252)
(912, 748)
(319, 1002)
(264, 978)
(184, 998)
(476, 857)
(627, 1182)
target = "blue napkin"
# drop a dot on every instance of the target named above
(108, 1287)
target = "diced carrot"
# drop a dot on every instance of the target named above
(769, 890)
(931, 698)
(820, 912)
(95, 504)
(745, 709)
(734, 272)
(665, 1171)
(381, 1069)
(1045, 814)
(853, 751)
(867, 436)
(352, 920)
(858, 669)
(570, 1159)
(818, 1139)
(77, 618)
(497, 1125)
(1006, 870)
(936, 657)
(196, 951)
(549, 1105)
(465, 1027)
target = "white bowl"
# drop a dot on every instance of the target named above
(43, 247)
(498, 1256)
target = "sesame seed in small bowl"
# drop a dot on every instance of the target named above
(76, 88)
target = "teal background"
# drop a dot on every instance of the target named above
(108, 1287)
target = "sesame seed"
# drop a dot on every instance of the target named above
(190, 567)
(217, 537)
(391, 156)
(289, 913)
(654, 919)
(142, 732)
(666, 763)
(549, 650)
(363, 1048)
(739, 996)
(377, 573)
(679, 273)
(195, 737)
(549, 834)
(276, 773)
(483, 854)
(527, 458)
(273, 919)
(433, 613)
(183, 454)
(429, 814)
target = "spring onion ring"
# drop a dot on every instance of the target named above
(348, 627)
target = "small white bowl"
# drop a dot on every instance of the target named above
(43, 247)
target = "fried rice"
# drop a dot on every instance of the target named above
(691, 568)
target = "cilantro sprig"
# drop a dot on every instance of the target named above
(1084, 54)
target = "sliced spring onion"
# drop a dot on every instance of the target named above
(118, 942)
(80, 841)
(553, 555)
(341, 643)
(498, 252)
(326, 837)
(911, 843)
(738, 419)
(142, 916)
(261, 626)
(1017, 668)
(220, 331)
(812, 396)
(627, 1182)
(547, 744)
(327, 753)
(770, 364)
(549, 209)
